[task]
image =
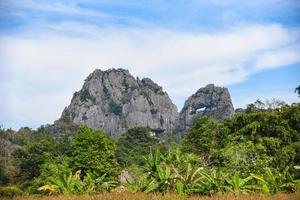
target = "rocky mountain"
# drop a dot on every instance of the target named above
(211, 101)
(114, 101)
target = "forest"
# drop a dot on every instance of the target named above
(257, 151)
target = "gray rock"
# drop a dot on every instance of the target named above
(124, 177)
(115, 101)
(211, 101)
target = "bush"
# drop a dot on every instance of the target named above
(202, 139)
(3, 177)
(93, 151)
(85, 95)
(133, 145)
(10, 191)
(115, 108)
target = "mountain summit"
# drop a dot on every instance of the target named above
(115, 101)
(211, 101)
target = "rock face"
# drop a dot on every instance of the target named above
(115, 101)
(212, 101)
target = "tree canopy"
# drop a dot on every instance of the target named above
(93, 151)
(134, 144)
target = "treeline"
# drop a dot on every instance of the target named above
(257, 150)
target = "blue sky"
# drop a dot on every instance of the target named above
(47, 48)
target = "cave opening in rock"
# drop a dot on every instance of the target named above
(200, 109)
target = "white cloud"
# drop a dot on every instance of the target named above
(278, 58)
(42, 69)
(69, 7)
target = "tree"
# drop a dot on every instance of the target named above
(93, 151)
(133, 145)
(31, 157)
(202, 139)
(3, 178)
(262, 139)
(267, 105)
(297, 90)
(272, 104)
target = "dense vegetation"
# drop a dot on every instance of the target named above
(257, 150)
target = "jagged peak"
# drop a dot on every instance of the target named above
(114, 100)
(98, 72)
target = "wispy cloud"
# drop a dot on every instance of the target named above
(66, 7)
(47, 48)
(278, 58)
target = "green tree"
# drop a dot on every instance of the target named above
(297, 90)
(202, 139)
(133, 145)
(3, 178)
(31, 157)
(93, 151)
(266, 139)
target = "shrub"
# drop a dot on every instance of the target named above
(10, 191)
(115, 108)
(73, 184)
(133, 145)
(202, 139)
(85, 95)
(93, 151)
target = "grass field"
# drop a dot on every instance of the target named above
(142, 196)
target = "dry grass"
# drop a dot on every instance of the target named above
(142, 196)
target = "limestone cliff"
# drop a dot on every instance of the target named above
(211, 101)
(114, 101)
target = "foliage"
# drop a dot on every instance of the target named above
(115, 108)
(85, 96)
(253, 152)
(56, 167)
(248, 142)
(124, 195)
(93, 151)
(73, 184)
(31, 157)
(202, 138)
(267, 105)
(297, 90)
(272, 182)
(161, 120)
(10, 191)
(237, 185)
(162, 174)
(133, 145)
(267, 139)
(4, 179)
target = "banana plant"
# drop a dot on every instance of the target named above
(153, 160)
(203, 181)
(270, 183)
(187, 179)
(237, 185)
(102, 184)
(164, 179)
(138, 185)
(72, 184)
(67, 185)
(205, 184)
(159, 173)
